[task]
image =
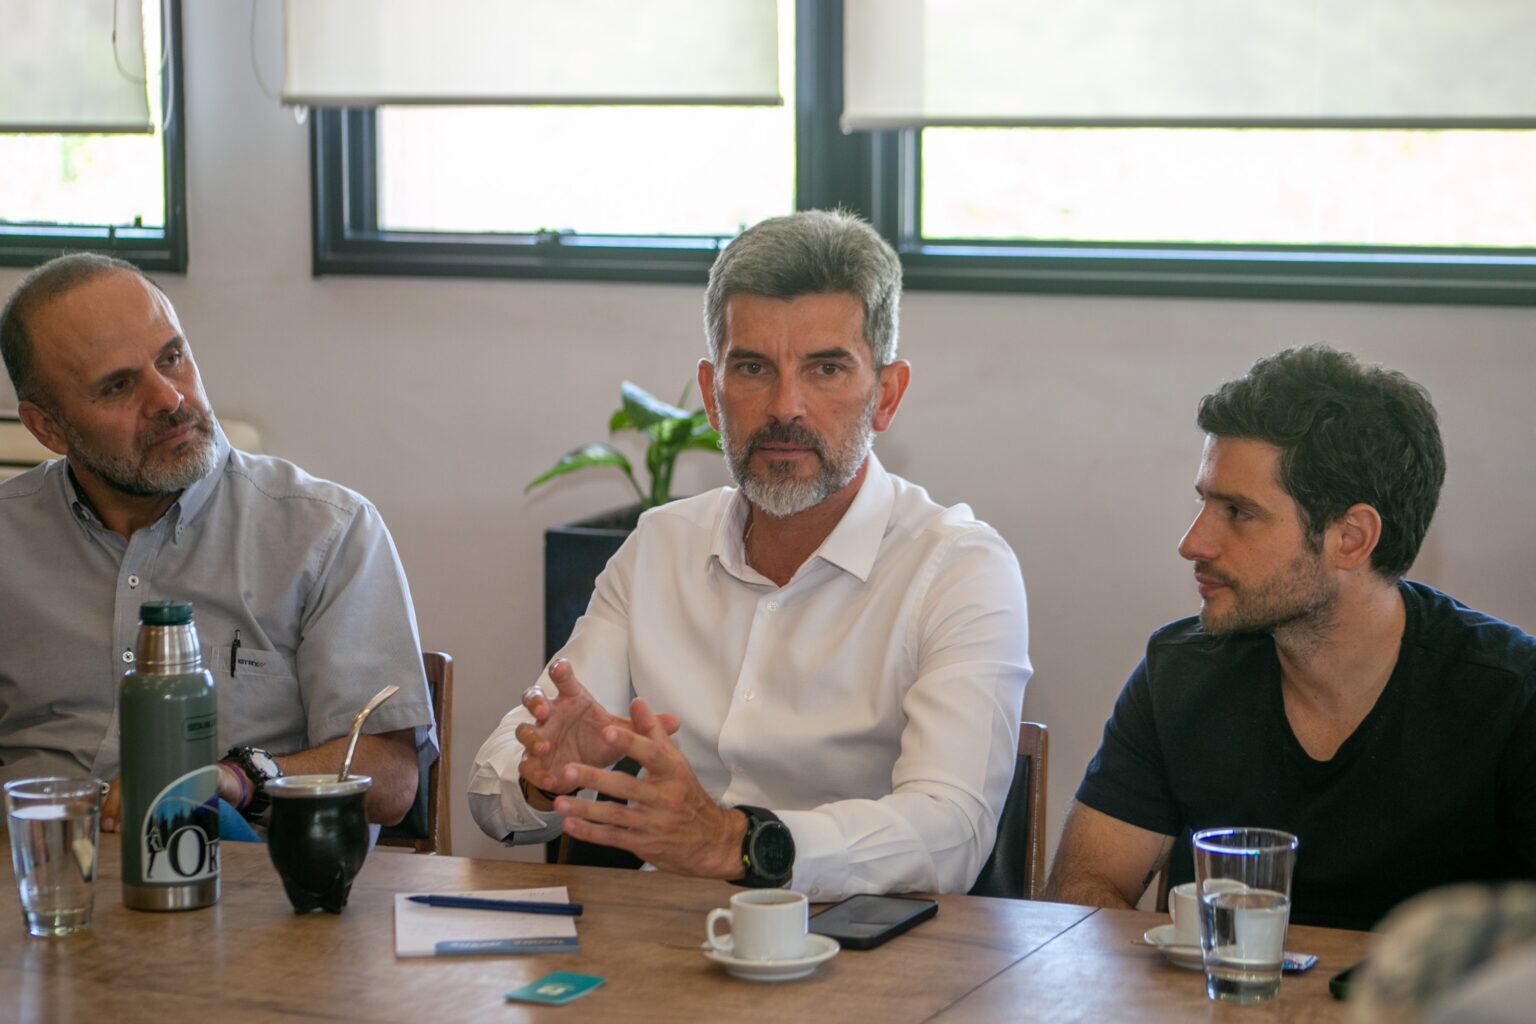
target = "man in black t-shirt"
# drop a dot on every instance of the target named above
(1392, 729)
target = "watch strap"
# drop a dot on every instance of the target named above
(529, 789)
(244, 759)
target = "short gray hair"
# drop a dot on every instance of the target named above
(48, 282)
(810, 253)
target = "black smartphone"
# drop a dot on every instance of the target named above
(865, 921)
(1338, 985)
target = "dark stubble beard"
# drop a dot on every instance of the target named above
(1296, 600)
(144, 474)
(777, 491)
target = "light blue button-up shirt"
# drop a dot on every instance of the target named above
(301, 570)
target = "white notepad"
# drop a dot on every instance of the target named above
(421, 930)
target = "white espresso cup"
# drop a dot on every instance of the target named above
(766, 924)
(1184, 906)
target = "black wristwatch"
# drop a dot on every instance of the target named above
(767, 850)
(261, 768)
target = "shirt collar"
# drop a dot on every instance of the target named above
(852, 545)
(854, 542)
(195, 497)
(183, 510)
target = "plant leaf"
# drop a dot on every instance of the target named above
(706, 441)
(643, 408)
(594, 454)
(620, 421)
(671, 432)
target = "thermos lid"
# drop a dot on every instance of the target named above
(165, 613)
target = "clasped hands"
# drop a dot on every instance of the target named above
(667, 819)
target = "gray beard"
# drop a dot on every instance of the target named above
(781, 495)
(138, 477)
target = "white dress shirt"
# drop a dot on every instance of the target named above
(872, 702)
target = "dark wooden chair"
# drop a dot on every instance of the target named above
(593, 855)
(425, 826)
(1016, 868)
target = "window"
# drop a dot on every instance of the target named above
(1415, 215)
(630, 193)
(650, 194)
(121, 194)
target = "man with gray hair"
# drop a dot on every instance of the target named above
(300, 599)
(822, 668)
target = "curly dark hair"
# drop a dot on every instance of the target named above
(1348, 434)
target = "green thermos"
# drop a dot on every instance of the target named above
(170, 775)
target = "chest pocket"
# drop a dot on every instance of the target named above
(258, 694)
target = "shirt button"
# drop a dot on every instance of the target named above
(748, 695)
(815, 890)
(773, 606)
(133, 581)
(128, 657)
(736, 768)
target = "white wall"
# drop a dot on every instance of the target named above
(1065, 422)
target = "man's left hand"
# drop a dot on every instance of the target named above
(112, 803)
(670, 821)
(112, 807)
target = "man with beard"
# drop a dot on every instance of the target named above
(1389, 727)
(822, 668)
(299, 597)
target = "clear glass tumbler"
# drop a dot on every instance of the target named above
(55, 826)
(1243, 878)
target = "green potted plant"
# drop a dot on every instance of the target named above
(576, 552)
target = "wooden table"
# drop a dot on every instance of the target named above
(250, 958)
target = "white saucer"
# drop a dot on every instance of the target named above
(1188, 957)
(818, 950)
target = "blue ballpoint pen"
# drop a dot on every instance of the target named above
(515, 906)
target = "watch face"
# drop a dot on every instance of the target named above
(773, 850)
(265, 763)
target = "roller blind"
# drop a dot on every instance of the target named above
(58, 71)
(371, 52)
(1324, 63)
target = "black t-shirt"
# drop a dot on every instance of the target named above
(1436, 785)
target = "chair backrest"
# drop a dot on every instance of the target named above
(425, 828)
(567, 850)
(1016, 868)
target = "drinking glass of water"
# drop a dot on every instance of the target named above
(55, 827)
(1243, 878)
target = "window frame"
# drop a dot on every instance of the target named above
(831, 169)
(1420, 274)
(877, 174)
(163, 249)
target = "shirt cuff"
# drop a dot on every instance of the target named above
(497, 805)
(821, 854)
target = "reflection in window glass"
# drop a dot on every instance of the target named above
(1258, 186)
(593, 170)
(90, 179)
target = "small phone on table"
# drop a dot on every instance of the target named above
(866, 921)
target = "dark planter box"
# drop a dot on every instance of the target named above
(574, 555)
